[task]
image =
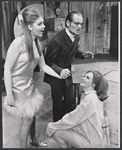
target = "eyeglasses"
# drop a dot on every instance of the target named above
(77, 23)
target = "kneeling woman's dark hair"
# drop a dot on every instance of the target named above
(101, 85)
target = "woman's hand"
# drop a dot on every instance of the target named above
(10, 100)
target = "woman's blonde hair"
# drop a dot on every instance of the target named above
(30, 15)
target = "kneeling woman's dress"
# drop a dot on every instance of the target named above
(28, 99)
(85, 120)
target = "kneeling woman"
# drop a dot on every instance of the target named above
(82, 128)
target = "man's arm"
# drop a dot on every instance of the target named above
(83, 55)
(52, 52)
(79, 55)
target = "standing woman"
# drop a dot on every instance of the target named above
(23, 99)
(82, 128)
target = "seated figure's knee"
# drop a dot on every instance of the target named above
(58, 133)
(58, 136)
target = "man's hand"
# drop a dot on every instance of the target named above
(88, 54)
(65, 73)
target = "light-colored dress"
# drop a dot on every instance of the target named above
(86, 120)
(28, 99)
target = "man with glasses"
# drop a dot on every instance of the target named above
(59, 55)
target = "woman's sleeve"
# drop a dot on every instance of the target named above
(81, 113)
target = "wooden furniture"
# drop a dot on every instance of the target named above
(76, 93)
(107, 128)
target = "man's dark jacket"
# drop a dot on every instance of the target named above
(59, 55)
